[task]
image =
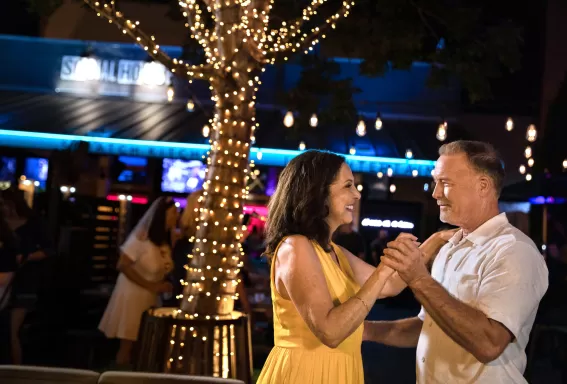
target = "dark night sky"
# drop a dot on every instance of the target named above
(516, 93)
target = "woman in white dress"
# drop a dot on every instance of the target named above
(145, 260)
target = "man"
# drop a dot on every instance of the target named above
(480, 301)
(354, 242)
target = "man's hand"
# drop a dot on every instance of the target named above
(404, 256)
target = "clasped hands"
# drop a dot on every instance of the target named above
(409, 258)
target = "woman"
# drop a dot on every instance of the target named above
(35, 247)
(321, 293)
(145, 261)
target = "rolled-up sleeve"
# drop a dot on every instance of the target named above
(512, 286)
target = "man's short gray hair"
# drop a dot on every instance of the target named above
(482, 156)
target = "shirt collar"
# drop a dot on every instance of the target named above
(483, 233)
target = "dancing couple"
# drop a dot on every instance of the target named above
(479, 285)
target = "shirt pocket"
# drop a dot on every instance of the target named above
(465, 285)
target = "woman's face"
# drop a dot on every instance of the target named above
(343, 195)
(171, 216)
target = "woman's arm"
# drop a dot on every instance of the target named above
(395, 284)
(300, 278)
(126, 266)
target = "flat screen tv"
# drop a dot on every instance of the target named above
(130, 170)
(182, 176)
(7, 168)
(37, 169)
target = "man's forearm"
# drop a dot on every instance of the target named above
(465, 325)
(400, 333)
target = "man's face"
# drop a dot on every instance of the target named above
(456, 189)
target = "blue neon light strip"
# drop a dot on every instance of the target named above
(145, 148)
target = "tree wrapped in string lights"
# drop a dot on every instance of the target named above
(238, 43)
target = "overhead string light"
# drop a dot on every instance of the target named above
(509, 124)
(531, 133)
(361, 128)
(442, 131)
(378, 123)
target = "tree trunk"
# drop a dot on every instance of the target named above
(213, 269)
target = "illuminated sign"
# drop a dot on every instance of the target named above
(377, 223)
(125, 72)
(189, 151)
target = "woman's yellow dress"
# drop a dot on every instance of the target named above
(298, 357)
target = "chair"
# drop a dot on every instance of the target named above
(22, 374)
(159, 378)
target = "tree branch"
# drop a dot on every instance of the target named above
(192, 11)
(130, 28)
(307, 40)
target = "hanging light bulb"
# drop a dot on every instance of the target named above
(253, 139)
(359, 187)
(170, 93)
(414, 173)
(409, 154)
(288, 119)
(528, 177)
(313, 121)
(522, 169)
(442, 132)
(531, 133)
(352, 151)
(390, 172)
(206, 131)
(259, 155)
(190, 105)
(565, 164)
(380, 175)
(509, 124)
(378, 123)
(302, 146)
(528, 152)
(530, 162)
(392, 188)
(361, 128)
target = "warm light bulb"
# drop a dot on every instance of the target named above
(509, 124)
(530, 162)
(392, 188)
(190, 105)
(170, 93)
(361, 128)
(531, 133)
(528, 177)
(352, 151)
(565, 164)
(442, 132)
(259, 156)
(378, 123)
(288, 119)
(302, 146)
(390, 172)
(206, 131)
(528, 152)
(359, 187)
(414, 173)
(409, 154)
(313, 121)
(522, 169)
(380, 175)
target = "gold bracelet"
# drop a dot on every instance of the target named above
(363, 303)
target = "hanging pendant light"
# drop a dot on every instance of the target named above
(361, 128)
(378, 123)
(288, 119)
(442, 131)
(313, 121)
(531, 133)
(509, 124)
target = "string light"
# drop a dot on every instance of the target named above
(378, 123)
(288, 119)
(409, 154)
(352, 151)
(191, 105)
(414, 173)
(361, 128)
(235, 53)
(509, 124)
(302, 146)
(530, 162)
(390, 172)
(528, 152)
(528, 177)
(442, 132)
(359, 187)
(564, 164)
(392, 188)
(522, 169)
(313, 121)
(531, 133)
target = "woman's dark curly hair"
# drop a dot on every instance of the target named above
(300, 204)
